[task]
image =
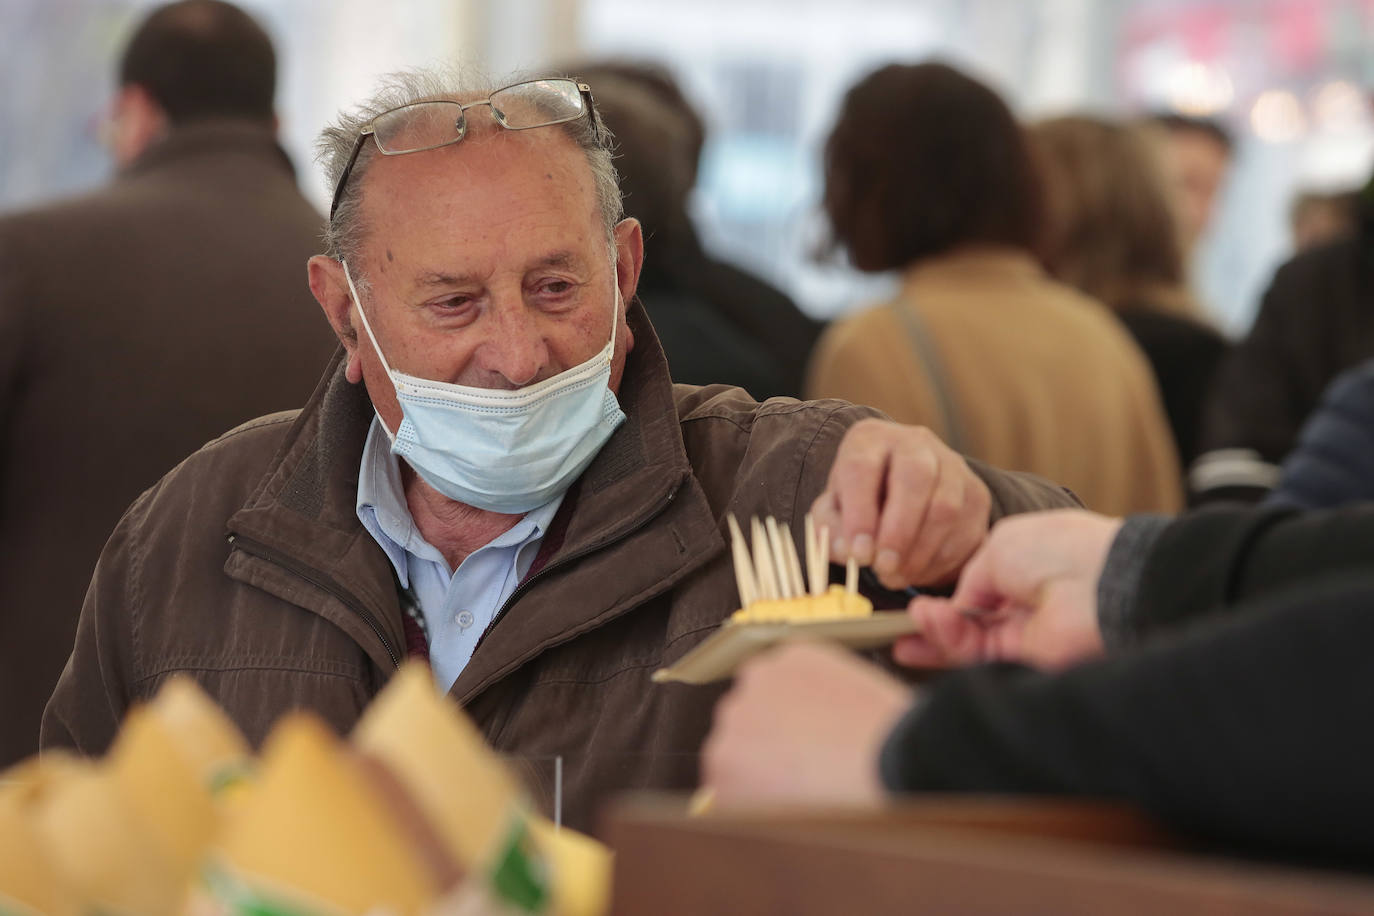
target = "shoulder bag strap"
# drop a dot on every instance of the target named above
(929, 360)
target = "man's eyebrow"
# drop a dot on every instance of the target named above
(432, 278)
(439, 278)
(563, 259)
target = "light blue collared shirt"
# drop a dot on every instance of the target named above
(457, 606)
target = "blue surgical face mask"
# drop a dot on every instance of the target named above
(503, 451)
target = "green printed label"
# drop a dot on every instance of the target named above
(242, 900)
(519, 876)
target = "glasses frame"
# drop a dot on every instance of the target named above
(588, 109)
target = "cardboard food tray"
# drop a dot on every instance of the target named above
(722, 652)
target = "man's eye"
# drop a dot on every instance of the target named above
(454, 303)
(555, 287)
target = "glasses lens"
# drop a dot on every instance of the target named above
(421, 126)
(537, 103)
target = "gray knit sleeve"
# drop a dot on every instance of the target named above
(1120, 581)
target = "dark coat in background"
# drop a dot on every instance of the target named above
(716, 321)
(719, 323)
(1334, 462)
(136, 323)
(1184, 355)
(1316, 321)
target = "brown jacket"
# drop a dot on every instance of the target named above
(297, 606)
(1040, 378)
(136, 323)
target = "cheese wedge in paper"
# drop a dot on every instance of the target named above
(313, 834)
(441, 759)
(29, 884)
(202, 733)
(102, 849)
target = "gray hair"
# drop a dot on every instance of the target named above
(345, 231)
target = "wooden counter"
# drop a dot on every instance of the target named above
(945, 855)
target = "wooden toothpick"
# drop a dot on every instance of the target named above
(779, 558)
(823, 556)
(763, 564)
(744, 565)
(793, 563)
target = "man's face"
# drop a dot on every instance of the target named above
(487, 264)
(1199, 165)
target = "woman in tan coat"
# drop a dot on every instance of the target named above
(927, 172)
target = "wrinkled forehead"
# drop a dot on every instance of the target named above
(495, 184)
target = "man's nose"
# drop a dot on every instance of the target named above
(515, 353)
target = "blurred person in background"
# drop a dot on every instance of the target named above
(141, 320)
(1314, 322)
(1110, 232)
(1318, 217)
(927, 172)
(653, 159)
(1197, 157)
(717, 322)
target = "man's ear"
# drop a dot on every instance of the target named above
(629, 256)
(330, 288)
(136, 122)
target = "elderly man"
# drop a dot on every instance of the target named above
(516, 489)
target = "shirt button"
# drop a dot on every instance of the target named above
(464, 619)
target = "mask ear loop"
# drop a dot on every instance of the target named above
(358, 301)
(362, 314)
(615, 310)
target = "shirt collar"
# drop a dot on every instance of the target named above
(382, 510)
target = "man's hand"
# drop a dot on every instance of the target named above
(1029, 595)
(903, 502)
(803, 724)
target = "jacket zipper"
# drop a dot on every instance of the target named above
(324, 583)
(564, 561)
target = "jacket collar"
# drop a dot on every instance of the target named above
(303, 511)
(211, 137)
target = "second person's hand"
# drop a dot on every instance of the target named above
(1029, 595)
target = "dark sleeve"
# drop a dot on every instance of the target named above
(1210, 562)
(1185, 355)
(1119, 583)
(1333, 462)
(1254, 730)
(95, 688)
(1014, 492)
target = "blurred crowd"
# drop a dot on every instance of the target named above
(1044, 320)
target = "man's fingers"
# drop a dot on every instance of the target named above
(916, 651)
(925, 648)
(911, 481)
(856, 480)
(965, 537)
(945, 516)
(978, 587)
